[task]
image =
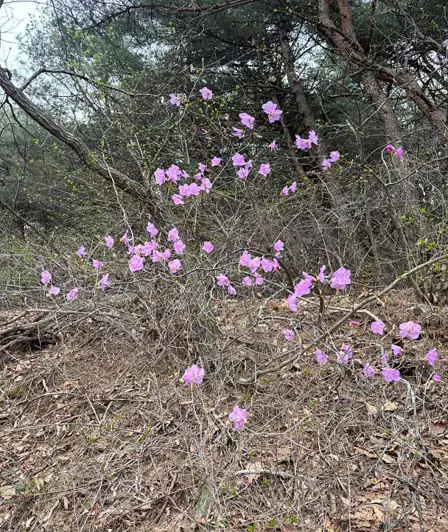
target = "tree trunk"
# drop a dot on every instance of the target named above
(344, 41)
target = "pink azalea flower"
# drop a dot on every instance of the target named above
(179, 247)
(267, 265)
(396, 350)
(368, 371)
(321, 357)
(321, 274)
(285, 191)
(291, 302)
(73, 294)
(136, 263)
(174, 266)
(202, 167)
(174, 100)
(165, 255)
(303, 288)
(238, 160)
(354, 323)
(259, 280)
(288, 334)
(344, 355)
(206, 185)
(326, 164)
(271, 109)
(81, 253)
(173, 173)
(216, 161)
(45, 277)
(97, 264)
(222, 280)
(389, 148)
(247, 281)
(238, 417)
(377, 327)
(302, 144)
(184, 190)
(147, 248)
(334, 156)
(104, 281)
(125, 239)
(177, 199)
(432, 356)
(279, 245)
(391, 375)
(312, 137)
(436, 378)
(152, 230)
(206, 93)
(173, 235)
(193, 375)
(399, 152)
(159, 176)
(265, 169)
(231, 291)
(54, 291)
(242, 173)
(410, 330)
(208, 247)
(245, 258)
(109, 241)
(238, 132)
(273, 145)
(254, 264)
(293, 187)
(341, 279)
(247, 120)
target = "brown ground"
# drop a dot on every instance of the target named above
(97, 433)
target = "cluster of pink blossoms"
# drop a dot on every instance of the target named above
(174, 174)
(205, 92)
(194, 375)
(254, 264)
(272, 110)
(289, 190)
(328, 163)
(247, 120)
(340, 279)
(152, 249)
(398, 152)
(103, 283)
(409, 330)
(138, 254)
(307, 144)
(244, 167)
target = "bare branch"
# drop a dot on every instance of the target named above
(90, 159)
(189, 8)
(74, 75)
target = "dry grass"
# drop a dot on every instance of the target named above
(101, 435)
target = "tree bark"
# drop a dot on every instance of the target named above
(294, 82)
(345, 43)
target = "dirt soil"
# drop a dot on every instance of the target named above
(98, 432)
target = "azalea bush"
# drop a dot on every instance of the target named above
(162, 254)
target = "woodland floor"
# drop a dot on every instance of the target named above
(99, 434)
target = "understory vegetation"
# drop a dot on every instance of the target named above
(223, 267)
